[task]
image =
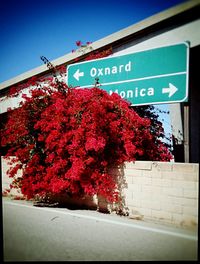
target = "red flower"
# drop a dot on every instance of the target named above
(78, 43)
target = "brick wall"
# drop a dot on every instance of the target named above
(163, 191)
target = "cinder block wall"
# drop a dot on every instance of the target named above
(159, 191)
(6, 181)
(163, 191)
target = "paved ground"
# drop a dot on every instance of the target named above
(59, 234)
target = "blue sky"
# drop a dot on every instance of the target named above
(32, 28)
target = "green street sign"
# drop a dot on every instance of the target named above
(153, 76)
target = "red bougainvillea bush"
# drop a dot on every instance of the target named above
(65, 140)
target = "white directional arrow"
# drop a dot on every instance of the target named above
(78, 74)
(171, 90)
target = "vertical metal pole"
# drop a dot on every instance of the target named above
(186, 133)
(1, 172)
